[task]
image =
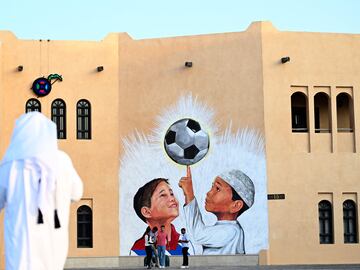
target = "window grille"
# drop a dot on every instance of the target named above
(83, 109)
(58, 116)
(84, 227)
(325, 222)
(350, 222)
(33, 105)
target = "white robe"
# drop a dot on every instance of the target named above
(225, 237)
(29, 245)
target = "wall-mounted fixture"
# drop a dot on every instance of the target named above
(285, 59)
(20, 68)
(188, 64)
(42, 86)
(100, 68)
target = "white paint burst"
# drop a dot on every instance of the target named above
(144, 159)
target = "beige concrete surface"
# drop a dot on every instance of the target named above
(239, 74)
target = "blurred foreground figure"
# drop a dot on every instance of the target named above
(37, 184)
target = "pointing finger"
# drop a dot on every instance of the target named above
(188, 171)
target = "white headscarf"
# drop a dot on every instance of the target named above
(34, 140)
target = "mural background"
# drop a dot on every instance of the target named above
(145, 159)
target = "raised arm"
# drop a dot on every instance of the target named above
(186, 185)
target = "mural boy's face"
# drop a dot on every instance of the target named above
(219, 198)
(164, 205)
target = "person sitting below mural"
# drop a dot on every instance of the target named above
(156, 205)
(231, 194)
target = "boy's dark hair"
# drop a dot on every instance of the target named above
(143, 195)
(235, 197)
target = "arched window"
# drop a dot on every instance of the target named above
(344, 110)
(350, 222)
(84, 227)
(299, 112)
(83, 113)
(325, 222)
(58, 116)
(322, 113)
(33, 105)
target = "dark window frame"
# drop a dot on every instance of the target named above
(317, 118)
(326, 223)
(33, 105)
(84, 227)
(350, 222)
(83, 120)
(58, 116)
(340, 99)
(299, 114)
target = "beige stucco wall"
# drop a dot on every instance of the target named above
(241, 77)
(308, 166)
(97, 159)
(226, 74)
(139, 79)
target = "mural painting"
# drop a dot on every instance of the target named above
(189, 174)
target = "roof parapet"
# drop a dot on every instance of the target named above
(265, 26)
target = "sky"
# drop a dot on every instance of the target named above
(143, 19)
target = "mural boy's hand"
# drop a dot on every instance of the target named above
(186, 184)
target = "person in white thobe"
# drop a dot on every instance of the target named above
(37, 184)
(223, 238)
(231, 194)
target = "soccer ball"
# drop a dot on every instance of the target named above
(185, 142)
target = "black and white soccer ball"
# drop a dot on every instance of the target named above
(186, 142)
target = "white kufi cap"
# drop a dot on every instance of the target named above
(242, 185)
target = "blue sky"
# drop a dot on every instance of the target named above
(93, 20)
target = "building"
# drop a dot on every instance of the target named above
(297, 89)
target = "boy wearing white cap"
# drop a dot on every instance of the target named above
(231, 194)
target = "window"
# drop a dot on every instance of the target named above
(322, 113)
(299, 112)
(84, 227)
(344, 110)
(83, 120)
(58, 116)
(350, 222)
(325, 222)
(33, 105)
